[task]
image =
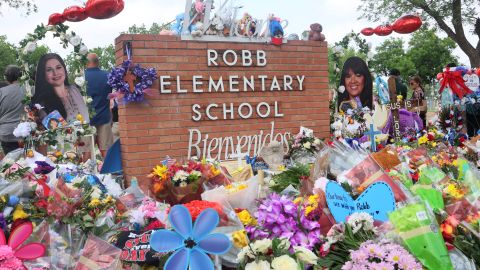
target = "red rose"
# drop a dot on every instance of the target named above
(154, 225)
(42, 204)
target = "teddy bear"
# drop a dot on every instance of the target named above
(316, 32)
(247, 25)
(216, 27)
(197, 29)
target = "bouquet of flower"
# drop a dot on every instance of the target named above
(280, 217)
(276, 254)
(150, 215)
(344, 237)
(303, 147)
(383, 255)
(295, 176)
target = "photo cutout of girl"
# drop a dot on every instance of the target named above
(357, 82)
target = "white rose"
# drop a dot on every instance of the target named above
(75, 40)
(49, 27)
(262, 246)
(83, 49)
(96, 193)
(341, 89)
(30, 47)
(284, 262)
(305, 255)
(307, 145)
(261, 265)
(317, 141)
(89, 100)
(369, 55)
(80, 81)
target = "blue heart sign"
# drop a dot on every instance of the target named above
(377, 200)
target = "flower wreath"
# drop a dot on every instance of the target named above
(29, 44)
(131, 81)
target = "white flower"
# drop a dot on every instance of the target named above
(89, 100)
(38, 106)
(284, 262)
(262, 246)
(196, 173)
(80, 81)
(136, 216)
(183, 184)
(337, 125)
(30, 47)
(96, 193)
(75, 40)
(307, 145)
(305, 255)
(369, 45)
(284, 244)
(180, 176)
(23, 130)
(359, 220)
(338, 49)
(369, 55)
(317, 141)
(261, 265)
(83, 49)
(337, 133)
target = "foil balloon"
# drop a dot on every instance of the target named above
(478, 71)
(383, 30)
(104, 9)
(74, 14)
(56, 18)
(367, 31)
(407, 24)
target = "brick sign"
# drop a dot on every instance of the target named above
(214, 99)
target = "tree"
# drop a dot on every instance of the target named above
(8, 55)
(430, 53)
(391, 54)
(28, 5)
(451, 16)
(154, 29)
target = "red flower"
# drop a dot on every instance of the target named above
(42, 204)
(154, 225)
(430, 137)
(196, 207)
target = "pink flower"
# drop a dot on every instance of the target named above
(382, 266)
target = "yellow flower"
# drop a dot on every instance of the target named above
(94, 203)
(240, 239)
(422, 140)
(214, 171)
(80, 118)
(246, 218)
(108, 200)
(434, 158)
(241, 187)
(453, 191)
(298, 200)
(160, 171)
(308, 210)
(313, 199)
(433, 144)
(19, 213)
(281, 168)
(4, 200)
(455, 163)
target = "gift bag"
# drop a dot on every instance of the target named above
(238, 194)
(98, 255)
(421, 234)
(135, 248)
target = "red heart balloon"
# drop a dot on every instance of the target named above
(383, 30)
(55, 19)
(74, 14)
(407, 24)
(103, 9)
(367, 31)
(478, 71)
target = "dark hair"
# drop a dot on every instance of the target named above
(418, 80)
(44, 92)
(12, 73)
(358, 66)
(52, 120)
(394, 72)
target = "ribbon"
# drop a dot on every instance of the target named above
(250, 160)
(454, 80)
(42, 182)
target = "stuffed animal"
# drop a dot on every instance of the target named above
(197, 29)
(276, 29)
(247, 25)
(216, 27)
(176, 27)
(316, 32)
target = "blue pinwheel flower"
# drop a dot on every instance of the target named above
(190, 243)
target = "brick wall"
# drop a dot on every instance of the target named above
(160, 126)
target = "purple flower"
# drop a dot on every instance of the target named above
(43, 167)
(3, 222)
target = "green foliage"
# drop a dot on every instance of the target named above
(8, 55)
(430, 53)
(27, 5)
(154, 29)
(106, 56)
(292, 176)
(391, 54)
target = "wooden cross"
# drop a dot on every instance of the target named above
(372, 134)
(394, 106)
(130, 79)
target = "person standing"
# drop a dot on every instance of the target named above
(401, 88)
(11, 108)
(418, 96)
(98, 89)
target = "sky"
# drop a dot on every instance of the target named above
(338, 17)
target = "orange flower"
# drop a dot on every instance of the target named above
(158, 187)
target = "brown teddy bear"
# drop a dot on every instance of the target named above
(316, 32)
